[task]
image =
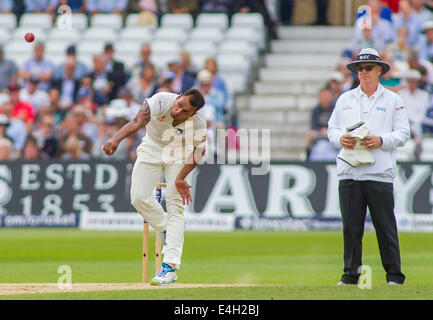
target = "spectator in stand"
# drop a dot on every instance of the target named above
(16, 128)
(144, 5)
(400, 49)
(335, 84)
(42, 6)
(87, 122)
(246, 6)
(186, 64)
(68, 85)
(145, 86)
(95, 98)
(411, 21)
(348, 81)
(145, 53)
(218, 82)
(182, 81)
(183, 6)
(391, 79)
(31, 150)
(165, 81)
(106, 6)
(74, 150)
(6, 6)
(128, 103)
(33, 95)
(56, 109)
(38, 66)
(424, 67)
(425, 43)
(70, 128)
(101, 84)
(85, 98)
(8, 71)
(80, 68)
(217, 6)
(20, 109)
(214, 97)
(149, 11)
(421, 11)
(381, 28)
(77, 6)
(416, 102)
(45, 135)
(367, 40)
(320, 115)
(115, 71)
(5, 149)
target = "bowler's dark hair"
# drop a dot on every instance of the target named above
(196, 99)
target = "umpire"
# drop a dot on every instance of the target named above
(369, 185)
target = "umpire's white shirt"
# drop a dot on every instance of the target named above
(386, 117)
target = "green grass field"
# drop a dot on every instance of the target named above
(288, 265)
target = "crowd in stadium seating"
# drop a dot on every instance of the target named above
(404, 38)
(68, 111)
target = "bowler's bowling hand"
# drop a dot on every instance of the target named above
(183, 188)
(347, 142)
(371, 142)
(110, 147)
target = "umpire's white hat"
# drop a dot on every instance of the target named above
(368, 55)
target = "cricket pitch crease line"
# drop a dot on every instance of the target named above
(39, 288)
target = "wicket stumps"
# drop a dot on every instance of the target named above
(158, 242)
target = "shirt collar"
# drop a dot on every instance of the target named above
(377, 93)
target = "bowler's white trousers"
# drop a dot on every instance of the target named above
(145, 176)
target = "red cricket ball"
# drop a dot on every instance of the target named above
(29, 37)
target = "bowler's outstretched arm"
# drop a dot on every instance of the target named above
(140, 120)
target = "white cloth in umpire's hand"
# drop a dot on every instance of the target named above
(360, 155)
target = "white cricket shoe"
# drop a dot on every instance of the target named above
(165, 276)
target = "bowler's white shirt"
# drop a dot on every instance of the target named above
(165, 142)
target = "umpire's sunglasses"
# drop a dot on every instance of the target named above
(367, 67)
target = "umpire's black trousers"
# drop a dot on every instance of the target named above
(355, 196)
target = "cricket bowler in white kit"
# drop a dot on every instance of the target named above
(173, 146)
